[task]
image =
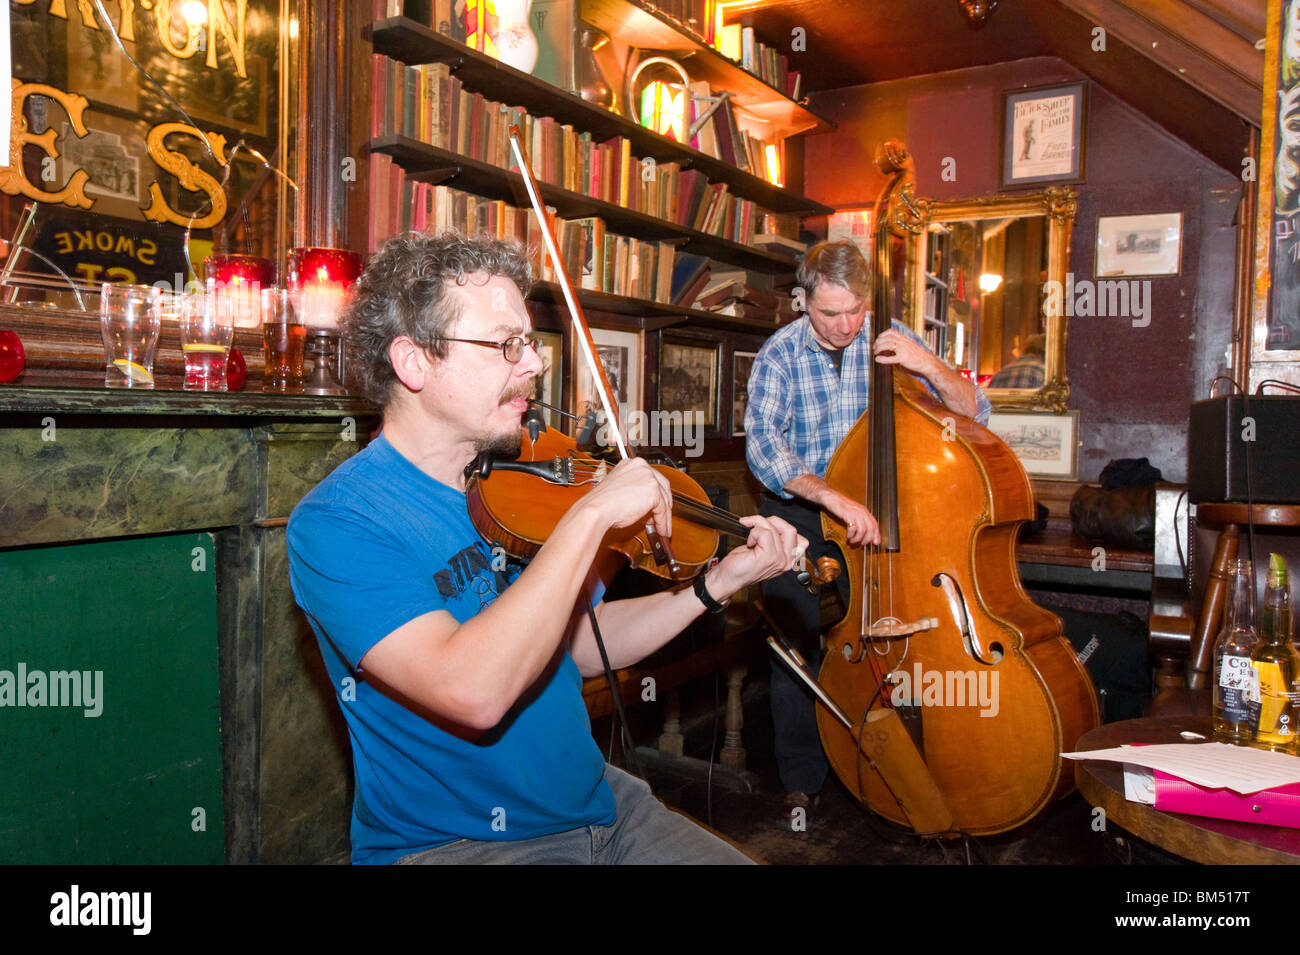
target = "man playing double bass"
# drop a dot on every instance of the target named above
(808, 386)
(460, 675)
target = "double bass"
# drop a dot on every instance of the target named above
(959, 691)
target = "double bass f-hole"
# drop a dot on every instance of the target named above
(960, 611)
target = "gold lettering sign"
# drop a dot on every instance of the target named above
(191, 176)
(13, 180)
(218, 21)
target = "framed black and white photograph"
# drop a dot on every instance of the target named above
(688, 378)
(741, 363)
(1047, 444)
(1042, 134)
(1139, 245)
(620, 354)
(549, 385)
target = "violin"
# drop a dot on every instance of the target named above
(519, 506)
(518, 503)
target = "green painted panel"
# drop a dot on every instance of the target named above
(137, 620)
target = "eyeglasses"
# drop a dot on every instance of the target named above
(512, 349)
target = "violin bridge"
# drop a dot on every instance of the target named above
(897, 628)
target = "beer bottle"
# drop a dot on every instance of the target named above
(1236, 685)
(1277, 665)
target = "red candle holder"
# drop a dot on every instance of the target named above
(241, 278)
(318, 281)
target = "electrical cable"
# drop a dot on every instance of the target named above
(628, 748)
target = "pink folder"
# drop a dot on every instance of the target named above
(1269, 807)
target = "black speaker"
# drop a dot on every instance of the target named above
(1223, 430)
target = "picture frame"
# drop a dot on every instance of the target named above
(1145, 245)
(741, 363)
(1047, 444)
(854, 225)
(1043, 133)
(549, 385)
(621, 354)
(689, 374)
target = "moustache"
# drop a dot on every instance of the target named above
(513, 393)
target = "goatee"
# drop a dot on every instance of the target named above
(506, 445)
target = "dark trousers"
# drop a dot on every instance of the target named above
(799, 758)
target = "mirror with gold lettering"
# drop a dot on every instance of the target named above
(980, 273)
(144, 142)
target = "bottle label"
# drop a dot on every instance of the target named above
(1237, 674)
(1277, 714)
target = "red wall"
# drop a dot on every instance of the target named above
(1132, 386)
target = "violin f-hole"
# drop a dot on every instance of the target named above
(961, 617)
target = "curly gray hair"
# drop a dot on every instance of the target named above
(407, 289)
(840, 263)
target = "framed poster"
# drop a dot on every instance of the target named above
(1139, 245)
(1047, 444)
(620, 354)
(741, 363)
(1042, 134)
(688, 378)
(854, 225)
(549, 385)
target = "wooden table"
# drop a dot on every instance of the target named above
(1198, 838)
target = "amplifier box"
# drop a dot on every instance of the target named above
(1224, 429)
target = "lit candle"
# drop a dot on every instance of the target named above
(322, 277)
(240, 279)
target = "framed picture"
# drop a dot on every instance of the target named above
(1042, 134)
(620, 354)
(549, 385)
(741, 363)
(1139, 245)
(688, 378)
(1046, 444)
(854, 225)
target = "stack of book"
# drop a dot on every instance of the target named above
(739, 43)
(428, 104)
(596, 258)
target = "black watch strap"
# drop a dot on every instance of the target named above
(706, 598)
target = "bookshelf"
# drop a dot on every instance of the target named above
(423, 162)
(413, 43)
(644, 27)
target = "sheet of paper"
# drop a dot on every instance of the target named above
(1214, 765)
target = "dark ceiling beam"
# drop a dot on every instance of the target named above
(1247, 18)
(1188, 43)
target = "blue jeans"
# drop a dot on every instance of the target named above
(644, 832)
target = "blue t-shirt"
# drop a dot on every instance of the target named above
(373, 546)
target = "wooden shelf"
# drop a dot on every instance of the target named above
(653, 315)
(413, 43)
(647, 29)
(424, 162)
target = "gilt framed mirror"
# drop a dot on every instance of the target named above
(985, 289)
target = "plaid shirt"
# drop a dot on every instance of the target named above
(1025, 372)
(800, 410)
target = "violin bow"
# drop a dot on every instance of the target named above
(582, 332)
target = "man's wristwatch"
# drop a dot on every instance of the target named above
(705, 598)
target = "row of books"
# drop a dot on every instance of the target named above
(772, 67)
(596, 258)
(429, 104)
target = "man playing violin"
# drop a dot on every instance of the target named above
(459, 673)
(807, 388)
